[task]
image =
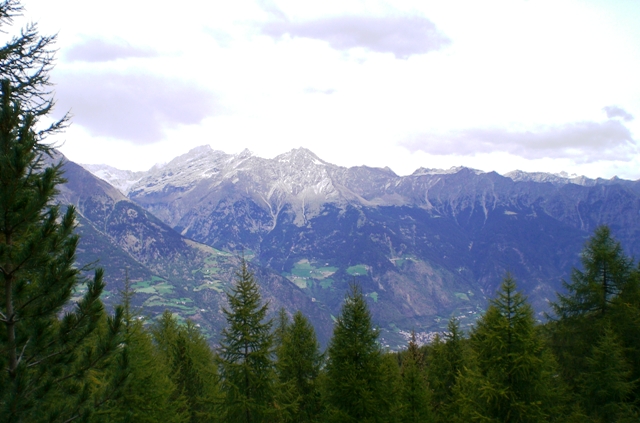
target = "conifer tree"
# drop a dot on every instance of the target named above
(415, 397)
(606, 272)
(147, 393)
(298, 365)
(353, 381)
(50, 351)
(390, 406)
(445, 360)
(192, 368)
(246, 365)
(511, 378)
(606, 384)
(604, 294)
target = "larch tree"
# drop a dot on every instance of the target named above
(192, 368)
(415, 395)
(445, 360)
(353, 383)
(246, 364)
(298, 363)
(604, 294)
(606, 272)
(50, 350)
(148, 394)
(606, 386)
(511, 376)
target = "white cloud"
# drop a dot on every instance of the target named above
(583, 142)
(133, 107)
(403, 36)
(100, 50)
(519, 82)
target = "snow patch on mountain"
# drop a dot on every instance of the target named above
(427, 171)
(123, 180)
(561, 178)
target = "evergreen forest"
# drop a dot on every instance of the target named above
(66, 362)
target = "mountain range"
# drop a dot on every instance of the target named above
(423, 247)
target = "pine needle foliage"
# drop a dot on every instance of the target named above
(445, 360)
(606, 272)
(602, 297)
(246, 349)
(298, 364)
(416, 395)
(192, 368)
(511, 376)
(353, 372)
(606, 384)
(51, 352)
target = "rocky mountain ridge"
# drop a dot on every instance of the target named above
(424, 246)
(167, 271)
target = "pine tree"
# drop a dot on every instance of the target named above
(390, 406)
(246, 364)
(606, 384)
(298, 364)
(352, 389)
(50, 350)
(146, 394)
(606, 272)
(604, 294)
(149, 394)
(192, 367)
(445, 360)
(415, 397)
(511, 378)
(625, 322)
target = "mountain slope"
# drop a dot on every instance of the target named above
(424, 246)
(167, 271)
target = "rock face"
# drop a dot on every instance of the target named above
(424, 247)
(167, 270)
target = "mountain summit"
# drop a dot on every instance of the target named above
(424, 246)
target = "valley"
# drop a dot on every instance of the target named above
(423, 247)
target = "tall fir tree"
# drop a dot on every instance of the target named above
(298, 363)
(50, 350)
(445, 359)
(606, 272)
(192, 367)
(390, 406)
(604, 294)
(147, 392)
(511, 377)
(606, 387)
(246, 349)
(416, 395)
(353, 383)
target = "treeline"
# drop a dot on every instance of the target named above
(581, 365)
(64, 362)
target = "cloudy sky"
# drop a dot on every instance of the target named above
(495, 85)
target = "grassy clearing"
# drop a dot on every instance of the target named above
(152, 287)
(304, 274)
(215, 285)
(305, 269)
(374, 296)
(357, 270)
(147, 290)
